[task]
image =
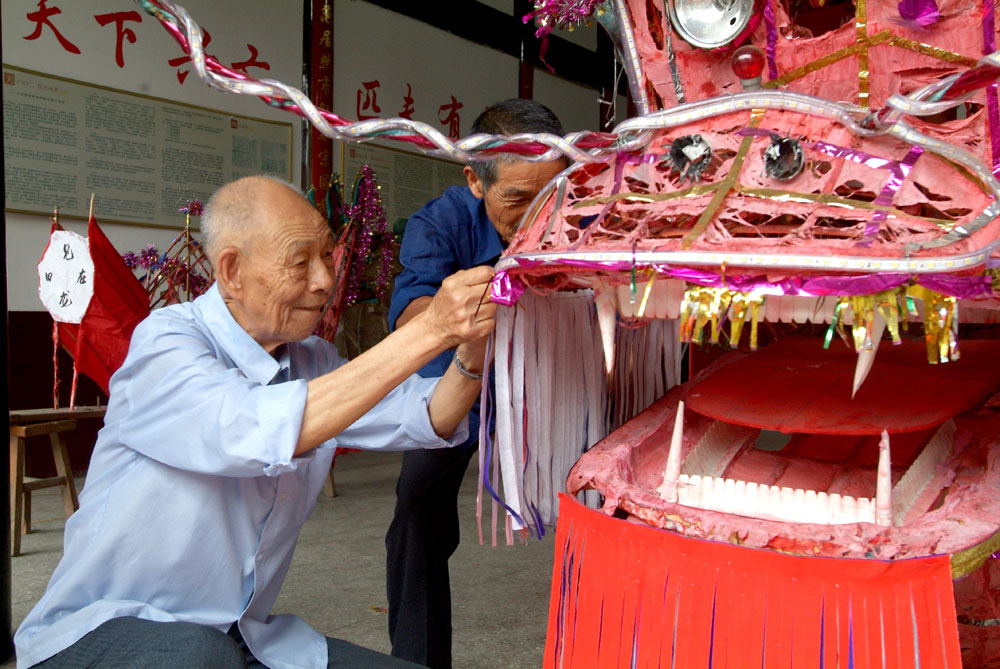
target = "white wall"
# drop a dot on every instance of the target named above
(396, 50)
(576, 106)
(274, 28)
(438, 65)
(370, 44)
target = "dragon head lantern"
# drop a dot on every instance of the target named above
(771, 201)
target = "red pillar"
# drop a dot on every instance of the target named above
(321, 159)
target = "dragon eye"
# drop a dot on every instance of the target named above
(711, 24)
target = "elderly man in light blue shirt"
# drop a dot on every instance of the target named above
(220, 431)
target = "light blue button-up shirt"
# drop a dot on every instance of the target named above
(193, 501)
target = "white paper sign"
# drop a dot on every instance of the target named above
(66, 276)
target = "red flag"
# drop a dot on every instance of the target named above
(99, 343)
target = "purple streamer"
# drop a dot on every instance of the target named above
(898, 171)
(834, 151)
(860, 157)
(756, 132)
(920, 12)
(992, 104)
(506, 289)
(962, 287)
(854, 285)
(866, 284)
(772, 39)
(486, 402)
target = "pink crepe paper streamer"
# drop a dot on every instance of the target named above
(964, 287)
(543, 49)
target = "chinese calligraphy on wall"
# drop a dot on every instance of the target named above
(48, 26)
(367, 107)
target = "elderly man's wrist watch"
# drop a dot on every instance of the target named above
(465, 372)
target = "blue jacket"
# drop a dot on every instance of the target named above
(448, 234)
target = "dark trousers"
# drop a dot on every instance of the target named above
(133, 643)
(423, 535)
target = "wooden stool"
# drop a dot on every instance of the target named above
(330, 486)
(21, 486)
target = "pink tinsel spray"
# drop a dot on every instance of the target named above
(551, 13)
(368, 214)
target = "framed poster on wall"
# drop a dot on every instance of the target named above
(407, 181)
(143, 157)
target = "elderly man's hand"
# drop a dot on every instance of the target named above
(461, 310)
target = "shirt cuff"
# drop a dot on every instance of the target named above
(280, 410)
(421, 429)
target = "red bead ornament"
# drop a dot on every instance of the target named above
(748, 65)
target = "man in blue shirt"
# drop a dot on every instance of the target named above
(220, 431)
(465, 227)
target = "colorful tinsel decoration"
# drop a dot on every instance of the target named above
(180, 274)
(345, 238)
(705, 309)
(549, 14)
(367, 215)
(361, 234)
(156, 268)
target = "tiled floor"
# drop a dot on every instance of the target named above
(337, 578)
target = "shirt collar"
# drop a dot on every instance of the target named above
(249, 356)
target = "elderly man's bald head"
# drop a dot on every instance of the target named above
(273, 256)
(235, 210)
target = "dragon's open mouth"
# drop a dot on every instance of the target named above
(799, 448)
(775, 437)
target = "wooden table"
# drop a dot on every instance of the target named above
(25, 416)
(25, 423)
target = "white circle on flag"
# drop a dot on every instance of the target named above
(66, 276)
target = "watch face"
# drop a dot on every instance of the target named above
(66, 276)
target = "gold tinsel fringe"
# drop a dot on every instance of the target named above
(706, 309)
